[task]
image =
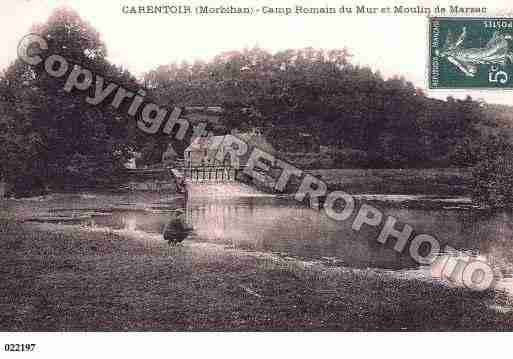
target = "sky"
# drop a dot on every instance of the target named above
(394, 45)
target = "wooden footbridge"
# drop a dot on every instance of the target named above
(207, 173)
(214, 174)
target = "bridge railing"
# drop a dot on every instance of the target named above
(210, 173)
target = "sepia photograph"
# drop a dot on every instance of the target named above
(290, 173)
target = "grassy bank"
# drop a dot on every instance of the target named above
(436, 181)
(68, 278)
(24, 208)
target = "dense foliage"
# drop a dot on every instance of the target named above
(349, 109)
(314, 107)
(493, 174)
(51, 137)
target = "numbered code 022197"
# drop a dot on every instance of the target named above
(19, 347)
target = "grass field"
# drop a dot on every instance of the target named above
(57, 278)
(70, 278)
(436, 181)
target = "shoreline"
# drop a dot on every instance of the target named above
(127, 283)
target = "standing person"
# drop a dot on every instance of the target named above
(181, 185)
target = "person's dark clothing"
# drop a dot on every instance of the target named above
(176, 231)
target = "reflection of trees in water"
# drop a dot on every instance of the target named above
(271, 225)
(130, 224)
(278, 227)
(284, 227)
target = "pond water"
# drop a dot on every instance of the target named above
(288, 228)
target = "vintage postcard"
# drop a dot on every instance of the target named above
(292, 168)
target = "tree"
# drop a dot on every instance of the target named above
(65, 139)
(349, 108)
(493, 174)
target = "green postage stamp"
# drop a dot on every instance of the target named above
(471, 53)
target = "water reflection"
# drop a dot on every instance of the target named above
(270, 224)
(267, 224)
(273, 225)
(130, 223)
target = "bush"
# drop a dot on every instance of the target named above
(493, 175)
(349, 157)
(308, 160)
(334, 158)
